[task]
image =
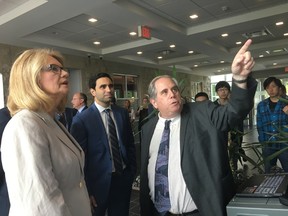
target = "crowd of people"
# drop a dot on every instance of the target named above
(57, 160)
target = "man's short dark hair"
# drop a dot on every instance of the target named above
(222, 84)
(201, 94)
(269, 80)
(93, 79)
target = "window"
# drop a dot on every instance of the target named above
(125, 86)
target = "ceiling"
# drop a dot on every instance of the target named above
(63, 25)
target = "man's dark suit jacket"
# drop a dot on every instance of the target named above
(88, 129)
(4, 199)
(204, 158)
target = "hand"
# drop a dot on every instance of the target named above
(93, 203)
(243, 62)
(285, 109)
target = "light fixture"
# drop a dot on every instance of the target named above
(92, 20)
(222, 62)
(133, 33)
(261, 56)
(238, 42)
(274, 63)
(286, 34)
(279, 23)
(190, 51)
(96, 42)
(159, 57)
(194, 16)
(172, 46)
(139, 52)
(195, 65)
(224, 35)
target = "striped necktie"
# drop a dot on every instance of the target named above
(114, 143)
(162, 199)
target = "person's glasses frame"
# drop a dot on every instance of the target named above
(54, 68)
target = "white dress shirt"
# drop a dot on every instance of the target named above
(180, 198)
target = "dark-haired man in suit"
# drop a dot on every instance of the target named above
(105, 134)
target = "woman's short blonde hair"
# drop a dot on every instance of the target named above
(24, 89)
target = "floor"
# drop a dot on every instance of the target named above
(250, 137)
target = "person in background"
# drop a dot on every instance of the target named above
(4, 198)
(127, 105)
(201, 96)
(105, 134)
(66, 117)
(222, 89)
(191, 175)
(142, 113)
(43, 164)
(79, 101)
(271, 119)
(233, 137)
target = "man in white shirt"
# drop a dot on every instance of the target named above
(199, 179)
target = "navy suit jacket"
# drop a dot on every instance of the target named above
(204, 159)
(4, 199)
(88, 129)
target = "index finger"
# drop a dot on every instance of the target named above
(245, 47)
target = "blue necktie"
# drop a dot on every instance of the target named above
(114, 143)
(162, 200)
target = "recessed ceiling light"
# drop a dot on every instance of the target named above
(96, 42)
(279, 23)
(274, 63)
(238, 42)
(261, 56)
(159, 57)
(286, 34)
(133, 33)
(225, 35)
(191, 52)
(222, 62)
(92, 20)
(277, 50)
(195, 65)
(172, 46)
(194, 16)
(139, 52)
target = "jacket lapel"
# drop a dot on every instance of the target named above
(183, 128)
(63, 135)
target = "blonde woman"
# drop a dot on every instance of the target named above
(43, 164)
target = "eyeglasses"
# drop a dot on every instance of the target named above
(54, 68)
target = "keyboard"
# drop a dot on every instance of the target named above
(270, 184)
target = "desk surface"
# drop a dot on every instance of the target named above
(244, 206)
